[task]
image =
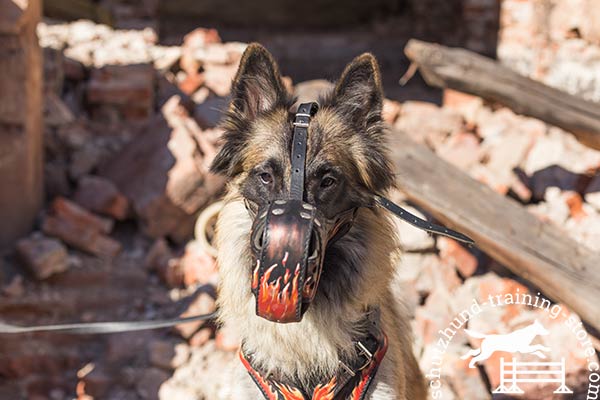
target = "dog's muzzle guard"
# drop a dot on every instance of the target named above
(289, 238)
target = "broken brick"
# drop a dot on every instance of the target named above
(203, 303)
(43, 256)
(80, 228)
(100, 195)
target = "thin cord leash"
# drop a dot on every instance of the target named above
(104, 327)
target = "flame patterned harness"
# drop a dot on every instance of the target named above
(351, 381)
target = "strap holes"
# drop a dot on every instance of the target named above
(297, 170)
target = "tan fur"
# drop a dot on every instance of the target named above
(313, 344)
(347, 133)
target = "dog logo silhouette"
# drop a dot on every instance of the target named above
(518, 341)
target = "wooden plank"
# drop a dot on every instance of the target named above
(472, 73)
(538, 251)
(21, 146)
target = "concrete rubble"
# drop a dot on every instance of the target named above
(131, 126)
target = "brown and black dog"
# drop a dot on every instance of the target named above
(346, 163)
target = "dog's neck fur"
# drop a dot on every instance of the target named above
(306, 352)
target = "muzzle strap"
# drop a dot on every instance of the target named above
(303, 115)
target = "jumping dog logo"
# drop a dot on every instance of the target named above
(513, 372)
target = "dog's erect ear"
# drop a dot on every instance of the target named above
(257, 85)
(358, 97)
(358, 92)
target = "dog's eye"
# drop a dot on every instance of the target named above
(266, 178)
(327, 182)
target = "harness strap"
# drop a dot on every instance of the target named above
(351, 381)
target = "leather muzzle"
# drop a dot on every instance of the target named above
(289, 238)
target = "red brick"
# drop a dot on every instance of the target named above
(202, 304)
(167, 354)
(100, 195)
(80, 229)
(458, 256)
(42, 256)
(198, 267)
(191, 83)
(126, 89)
(575, 203)
(201, 337)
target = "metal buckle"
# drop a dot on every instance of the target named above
(303, 115)
(300, 124)
(365, 352)
(346, 368)
(362, 349)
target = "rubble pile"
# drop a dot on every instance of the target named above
(131, 127)
(554, 41)
(130, 131)
(539, 166)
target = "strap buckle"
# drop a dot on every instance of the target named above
(362, 349)
(300, 124)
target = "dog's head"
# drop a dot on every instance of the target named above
(345, 162)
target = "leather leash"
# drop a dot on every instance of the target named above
(103, 327)
(421, 223)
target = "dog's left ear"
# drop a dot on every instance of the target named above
(358, 92)
(358, 97)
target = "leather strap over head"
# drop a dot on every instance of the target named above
(305, 112)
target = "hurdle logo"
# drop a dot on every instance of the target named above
(514, 372)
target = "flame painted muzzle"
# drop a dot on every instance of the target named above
(289, 238)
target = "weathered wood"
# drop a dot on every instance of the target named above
(538, 251)
(472, 73)
(20, 118)
(77, 9)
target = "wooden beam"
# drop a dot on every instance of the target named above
(472, 73)
(538, 251)
(21, 130)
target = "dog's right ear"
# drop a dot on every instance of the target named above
(257, 87)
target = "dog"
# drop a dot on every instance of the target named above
(346, 162)
(517, 341)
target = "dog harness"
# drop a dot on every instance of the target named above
(351, 381)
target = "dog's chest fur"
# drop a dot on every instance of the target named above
(308, 352)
